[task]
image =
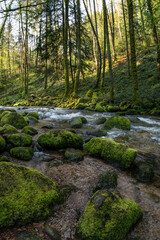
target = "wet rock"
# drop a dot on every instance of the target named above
(60, 139)
(2, 144)
(118, 122)
(109, 150)
(23, 153)
(144, 172)
(29, 130)
(26, 235)
(52, 233)
(107, 180)
(13, 118)
(8, 129)
(55, 164)
(33, 114)
(18, 140)
(74, 155)
(108, 216)
(76, 122)
(32, 120)
(100, 121)
(84, 120)
(25, 195)
(97, 133)
(48, 126)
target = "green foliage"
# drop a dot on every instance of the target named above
(118, 122)
(108, 216)
(25, 195)
(4, 159)
(109, 150)
(99, 108)
(55, 139)
(23, 153)
(17, 140)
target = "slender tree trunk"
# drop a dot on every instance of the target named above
(26, 51)
(143, 26)
(155, 33)
(99, 68)
(126, 36)
(136, 95)
(113, 31)
(46, 49)
(76, 84)
(109, 55)
(66, 67)
(70, 56)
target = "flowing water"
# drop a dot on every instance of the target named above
(143, 136)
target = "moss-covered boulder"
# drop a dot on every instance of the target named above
(118, 122)
(4, 159)
(100, 120)
(73, 155)
(109, 150)
(60, 139)
(17, 140)
(144, 172)
(76, 122)
(107, 180)
(13, 118)
(23, 153)
(9, 129)
(25, 195)
(33, 114)
(108, 216)
(2, 143)
(32, 120)
(99, 108)
(29, 130)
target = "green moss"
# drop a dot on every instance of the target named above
(107, 180)
(118, 122)
(24, 153)
(32, 120)
(73, 155)
(108, 149)
(17, 140)
(100, 120)
(108, 216)
(8, 129)
(29, 130)
(2, 143)
(76, 122)
(55, 139)
(84, 120)
(25, 195)
(33, 114)
(100, 108)
(14, 119)
(4, 159)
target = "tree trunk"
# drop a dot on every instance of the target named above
(136, 95)
(26, 51)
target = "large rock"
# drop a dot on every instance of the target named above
(25, 195)
(77, 122)
(108, 216)
(60, 139)
(13, 118)
(107, 180)
(2, 143)
(17, 140)
(29, 130)
(23, 153)
(118, 122)
(73, 155)
(97, 132)
(33, 114)
(108, 149)
(9, 129)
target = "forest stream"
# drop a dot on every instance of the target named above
(144, 136)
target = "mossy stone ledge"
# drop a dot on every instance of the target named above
(29, 130)
(25, 195)
(17, 140)
(23, 153)
(118, 122)
(60, 139)
(13, 118)
(108, 216)
(109, 150)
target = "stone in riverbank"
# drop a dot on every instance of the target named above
(17, 140)
(73, 155)
(33, 114)
(108, 216)
(77, 122)
(60, 139)
(23, 153)
(2, 144)
(29, 130)
(9, 129)
(108, 149)
(107, 180)
(25, 195)
(118, 122)
(13, 118)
